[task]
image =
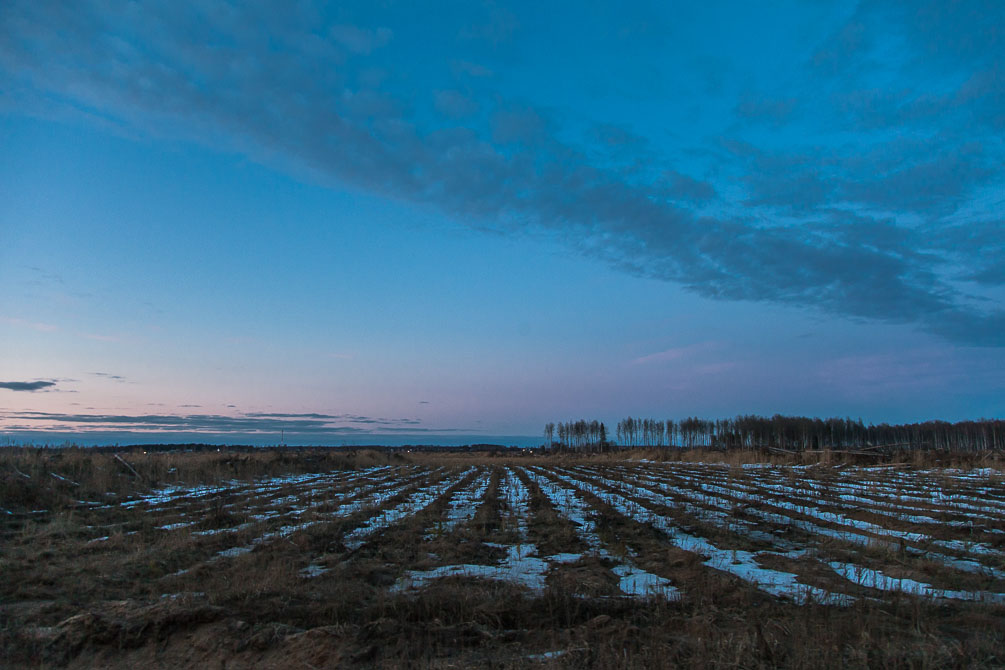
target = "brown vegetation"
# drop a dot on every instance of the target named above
(244, 564)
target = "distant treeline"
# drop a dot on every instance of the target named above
(787, 433)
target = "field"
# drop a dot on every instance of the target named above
(390, 560)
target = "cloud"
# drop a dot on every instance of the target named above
(937, 185)
(108, 375)
(470, 69)
(518, 124)
(34, 325)
(498, 27)
(245, 424)
(40, 277)
(360, 40)
(680, 186)
(923, 370)
(409, 430)
(27, 386)
(775, 111)
(992, 274)
(794, 182)
(770, 228)
(101, 338)
(278, 415)
(350, 418)
(676, 353)
(613, 135)
(454, 104)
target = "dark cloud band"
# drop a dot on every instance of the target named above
(245, 424)
(850, 231)
(26, 386)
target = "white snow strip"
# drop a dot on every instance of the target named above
(877, 580)
(633, 581)
(417, 502)
(520, 566)
(742, 564)
(313, 570)
(464, 504)
(849, 530)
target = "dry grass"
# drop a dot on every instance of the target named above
(33, 478)
(146, 585)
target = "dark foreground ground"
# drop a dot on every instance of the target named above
(310, 560)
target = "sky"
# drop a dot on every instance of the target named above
(454, 221)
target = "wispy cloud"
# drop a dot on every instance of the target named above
(39, 277)
(690, 351)
(100, 337)
(34, 325)
(244, 424)
(920, 370)
(108, 375)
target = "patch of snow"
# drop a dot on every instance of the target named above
(519, 567)
(417, 502)
(633, 581)
(234, 551)
(742, 564)
(313, 570)
(877, 580)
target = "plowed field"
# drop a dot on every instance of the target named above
(520, 563)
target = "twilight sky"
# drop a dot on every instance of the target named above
(461, 218)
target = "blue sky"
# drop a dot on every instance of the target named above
(472, 218)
